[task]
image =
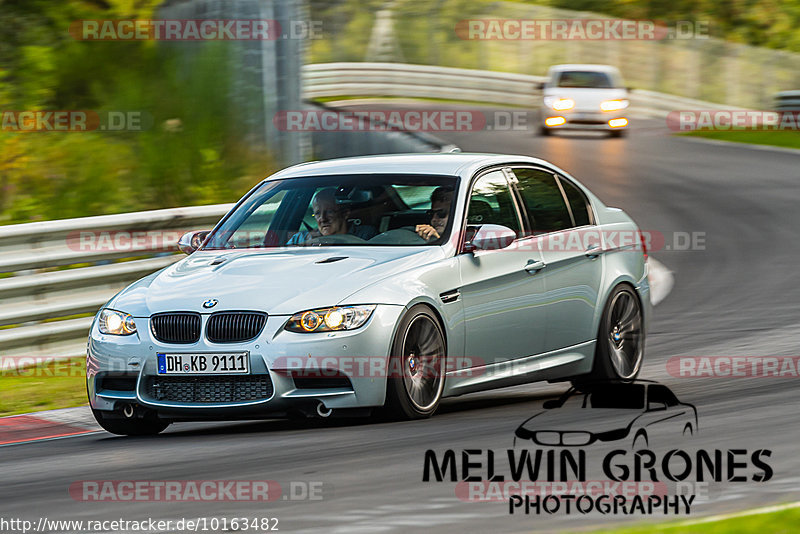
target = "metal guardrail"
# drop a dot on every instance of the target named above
(418, 81)
(326, 80)
(55, 273)
(787, 101)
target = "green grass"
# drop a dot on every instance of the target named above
(781, 138)
(782, 522)
(60, 384)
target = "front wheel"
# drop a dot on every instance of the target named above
(414, 387)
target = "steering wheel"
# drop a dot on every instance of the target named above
(405, 235)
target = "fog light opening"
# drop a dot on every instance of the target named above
(555, 121)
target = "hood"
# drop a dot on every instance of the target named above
(595, 420)
(587, 98)
(278, 281)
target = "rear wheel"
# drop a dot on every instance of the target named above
(414, 387)
(148, 425)
(620, 339)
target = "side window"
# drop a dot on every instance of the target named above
(577, 203)
(491, 203)
(661, 394)
(543, 201)
(253, 230)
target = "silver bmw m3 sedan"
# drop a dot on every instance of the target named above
(377, 283)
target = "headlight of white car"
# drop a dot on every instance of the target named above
(613, 105)
(330, 319)
(559, 104)
(116, 323)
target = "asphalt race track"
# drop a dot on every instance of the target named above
(740, 296)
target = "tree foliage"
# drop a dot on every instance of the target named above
(193, 150)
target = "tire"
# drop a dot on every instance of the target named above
(149, 425)
(617, 133)
(545, 131)
(414, 387)
(619, 349)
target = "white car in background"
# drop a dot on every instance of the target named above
(584, 97)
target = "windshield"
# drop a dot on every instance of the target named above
(346, 210)
(585, 79)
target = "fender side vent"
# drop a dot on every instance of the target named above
(332, 259)
(450, 296)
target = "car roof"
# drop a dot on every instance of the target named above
(584, 66)
(450, 164)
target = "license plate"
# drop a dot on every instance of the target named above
(203, 364)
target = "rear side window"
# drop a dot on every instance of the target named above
(543, 201)
(577, 203)
(658, 394)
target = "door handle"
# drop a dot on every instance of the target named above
(593, 251)
(535, 266)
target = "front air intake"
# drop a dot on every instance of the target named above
(176, 327)
(235, 326)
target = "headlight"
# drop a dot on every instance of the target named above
(613, 105)
(116, 323)
(330, 319)
(559, 104)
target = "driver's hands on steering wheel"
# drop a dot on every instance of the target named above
(427, 232)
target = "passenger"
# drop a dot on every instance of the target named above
(441, 198)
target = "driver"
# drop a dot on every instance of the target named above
(331, 219)
(441, 198)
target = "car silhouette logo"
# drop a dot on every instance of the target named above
(210, 303)
(601, 412)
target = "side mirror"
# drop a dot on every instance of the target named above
(539, 86)
(191, 241)
(490, 237)
(552, 403)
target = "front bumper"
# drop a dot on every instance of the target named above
(276, 355)
(584, 120)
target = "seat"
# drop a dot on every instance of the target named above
(480, 212)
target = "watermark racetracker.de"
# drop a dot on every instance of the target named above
(138, 240)
(74, 121)
(734, 366)
(194, 30)
(733, 120)
(605, 29)
(197, 490)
